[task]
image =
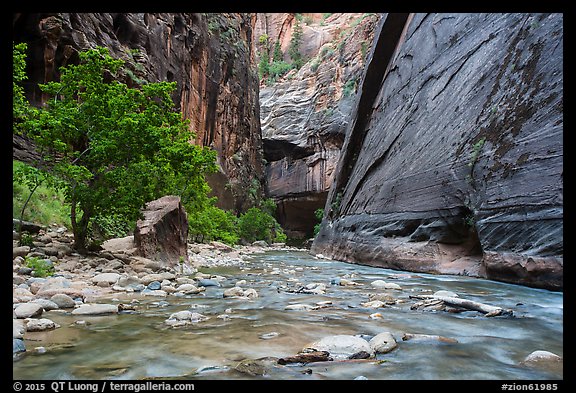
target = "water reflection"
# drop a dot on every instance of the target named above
(139, 345)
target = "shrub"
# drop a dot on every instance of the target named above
(26, 239)
(319, 214)
(40, 267)
(213, 223)
(349, 88)
(260, 224)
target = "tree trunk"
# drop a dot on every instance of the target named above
(488, 310)
(316, 356)
(79, 228)
(24, 208)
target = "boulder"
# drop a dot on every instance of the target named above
(63, 300)
(46, 304)
(22, 295)
(18, 345)
(162, 234)
(119, 244)
(18, 328)
(233, 292)
(542, 356)
(342, 346)
(381, 284)
(96, 309)
(148, 278)
(183, 318)
(383, 342)
(28, 310)
(189, 289)
(154, 285)
(40, 325)
(27, 226)
(107, 278)
(21, 251)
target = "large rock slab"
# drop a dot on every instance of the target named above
(453, 162)
(163, 233)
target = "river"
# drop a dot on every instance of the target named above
(254, 333)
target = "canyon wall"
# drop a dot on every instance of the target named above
(208, 55)
(453, 160)
(304, 114)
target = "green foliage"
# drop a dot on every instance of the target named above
(278, 69)
(315, 64)
(21, 110)
(40, 267)
(476, 149)
(294, 49)
(335, 205)
(363, 50)
(117, 147)
(212, 223)
(470, 220)
(319, 214)
(259, 224)
(349, 88)
(277, 56)
(46, 205)
(26, 239)
(110, 226)
(263, 65)
(326, 51)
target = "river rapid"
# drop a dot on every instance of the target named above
(243, 338)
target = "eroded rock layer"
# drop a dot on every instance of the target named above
(208, 55)
(305, 113)
(454, 159)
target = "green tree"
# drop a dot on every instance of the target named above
(21, 110)
(264, 64)
(277, 55)
(112, 147)
(258, 223)
(294, 49)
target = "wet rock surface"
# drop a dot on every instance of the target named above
(453, 161)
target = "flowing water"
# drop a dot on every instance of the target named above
(140, 345)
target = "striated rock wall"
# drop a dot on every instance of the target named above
(304, 114)
(208, 55)
(453, 162)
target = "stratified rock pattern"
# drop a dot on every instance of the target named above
(161, 236)
(454, 159)
(208, 55)
(304, 115)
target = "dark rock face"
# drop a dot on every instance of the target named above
(163, 233)
(208, 55)
(453, 162)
